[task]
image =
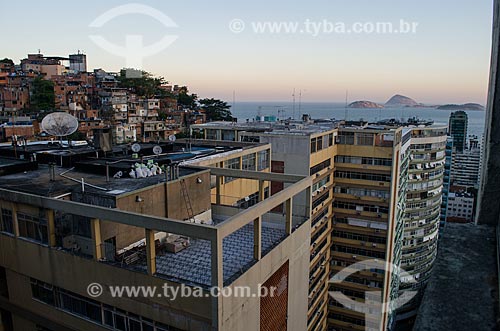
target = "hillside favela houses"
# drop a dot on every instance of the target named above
(146, 109)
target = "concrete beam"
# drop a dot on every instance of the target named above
(238, 221)
(201, 231)
(257, 175)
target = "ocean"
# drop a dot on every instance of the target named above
(248, 110)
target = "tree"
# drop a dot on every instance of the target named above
(146, 86)
(7, 61)
(42, 96)
(216, 110)
(186, 100)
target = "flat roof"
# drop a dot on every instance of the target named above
(192, 265)
(462, 293)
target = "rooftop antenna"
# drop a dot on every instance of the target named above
(300, 103)
(345, 109)
(293, 111)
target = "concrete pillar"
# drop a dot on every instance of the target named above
(15, 221)
(488, 207)
(257, 238)
(217, 280)
(51, 227)
(261, 190)
(218, 184)
(151, 251)
(288, 216)
(95, 226)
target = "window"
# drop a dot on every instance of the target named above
(263, 160)
(346, 138)
(108, 316)
(323, 165)
(365, 139)
(7, 224)
(232, 164)
(32, 227)
(248, 162)
(319, 144)
(313, 145)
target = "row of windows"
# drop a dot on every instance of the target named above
(360, 207)
(362, 176)
(321, 199)
(363, 160)
(363, 192)
(30, 227)
(358, 251)
(108, 316)
(363, 138)
(321, 183)
(320, 143)
(360, 237)
(323, 165)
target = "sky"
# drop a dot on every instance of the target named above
(445, 61)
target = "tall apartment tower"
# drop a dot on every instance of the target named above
(78, 62)
(423, 208)
(371, 177)
(458, 130)
(446, 179)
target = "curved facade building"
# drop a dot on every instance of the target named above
(423, 208)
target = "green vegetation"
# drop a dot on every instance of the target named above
(43, 96)
(216, 110)
(149, 86)
(146, 86)
(186, 100)
(8, 61)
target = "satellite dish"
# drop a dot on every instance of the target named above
(59, 124)
(136, 148)
(157, 150)
(172, 138)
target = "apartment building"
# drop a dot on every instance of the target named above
(58, 235)
(303, 149)
(465, 169)
(371, 171)
(423, 208)
(322, 148)
(446, 180)
(460, 207)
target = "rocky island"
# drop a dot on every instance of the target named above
(401, 101)
(365, 104)
(467, 106)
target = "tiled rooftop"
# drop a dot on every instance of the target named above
(192, 265)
